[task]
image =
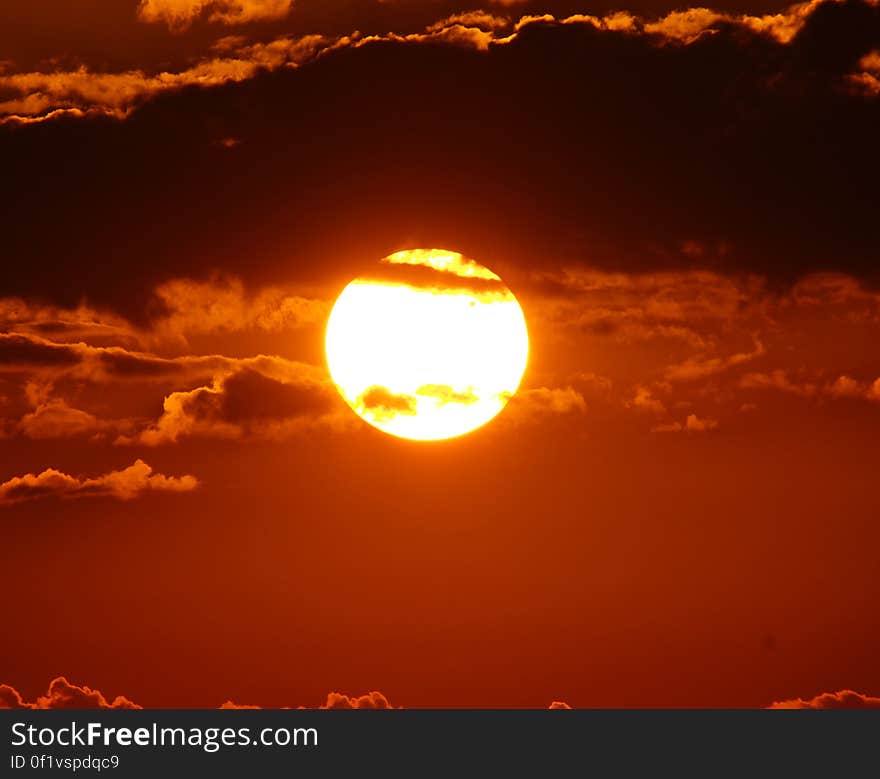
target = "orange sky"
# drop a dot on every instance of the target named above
(677, 509)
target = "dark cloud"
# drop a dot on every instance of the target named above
(20, 351)
(120, 364)
(23, 353)
(568, 145)
(31, 34)
(28, 353)
(249, 395)
(260, 397)
(100, 328)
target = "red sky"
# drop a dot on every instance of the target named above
(679, 507)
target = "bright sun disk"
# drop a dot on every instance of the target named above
(430, 346)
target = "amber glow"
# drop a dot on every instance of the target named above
(431, 360)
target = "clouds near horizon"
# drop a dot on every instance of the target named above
(64, 695)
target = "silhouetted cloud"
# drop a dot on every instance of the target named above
(23, 353)
(82, 93)
(262, 398)
(55, 323)
(738, 94)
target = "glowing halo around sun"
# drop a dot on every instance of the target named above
(429, 345)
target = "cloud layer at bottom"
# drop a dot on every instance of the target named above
(64, 695)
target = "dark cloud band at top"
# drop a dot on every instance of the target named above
(622, 150)
(38, 95)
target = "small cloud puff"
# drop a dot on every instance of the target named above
(64, 695)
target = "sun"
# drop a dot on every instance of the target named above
(427, 345)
